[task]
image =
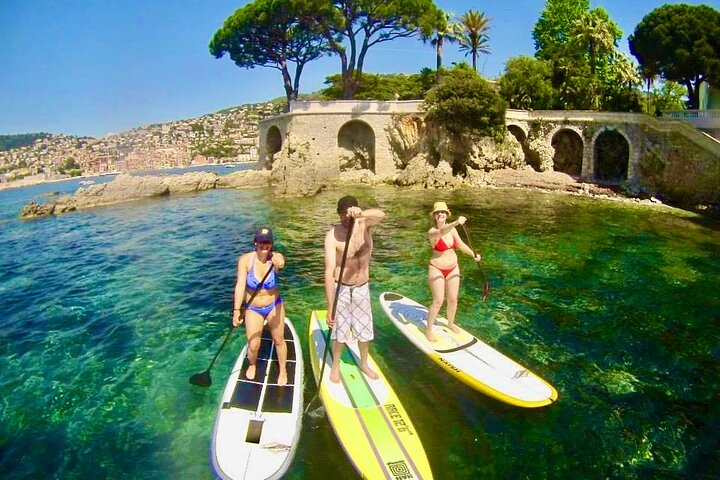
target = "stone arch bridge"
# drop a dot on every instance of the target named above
(596, 146)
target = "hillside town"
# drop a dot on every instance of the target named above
(227, 136)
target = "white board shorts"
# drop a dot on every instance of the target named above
(353, 315)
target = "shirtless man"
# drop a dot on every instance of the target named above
(353, 315)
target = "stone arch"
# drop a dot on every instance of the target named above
(521, 136)
(273, 142)
(568, 156)
(357, 139)
(611, 149)
(520, 131)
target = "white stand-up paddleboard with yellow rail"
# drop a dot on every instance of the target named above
(466, 357)
(366, 415)
(258, 423)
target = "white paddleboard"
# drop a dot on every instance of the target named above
(467, 358)
(258, 422)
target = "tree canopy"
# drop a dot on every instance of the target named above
(527, 83)
(270, 33)
(552, 30)
(474, 27)
(383, 86)
(352, 27)
(464, 103)
(680, 43)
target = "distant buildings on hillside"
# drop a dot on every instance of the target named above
(227, 136)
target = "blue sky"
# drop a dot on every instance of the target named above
(97, 67)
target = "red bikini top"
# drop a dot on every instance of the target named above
(441, 246)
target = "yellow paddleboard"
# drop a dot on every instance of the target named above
(366, 415)
(467, 358)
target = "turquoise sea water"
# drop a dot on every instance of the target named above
(107, 312)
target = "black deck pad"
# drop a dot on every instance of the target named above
(275, 370)
(278, 399)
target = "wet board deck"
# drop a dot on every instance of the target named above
(258, 422)
(464, 356)
(368, 419)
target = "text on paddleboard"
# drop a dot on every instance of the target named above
(397, 419)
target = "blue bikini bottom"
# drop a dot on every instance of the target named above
(265, 311)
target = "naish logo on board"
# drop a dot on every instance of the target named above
(400, 470)
(449, 365)
(397, 419)
(521, 373)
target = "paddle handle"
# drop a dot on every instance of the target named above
(337, 297)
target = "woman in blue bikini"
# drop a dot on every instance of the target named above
(267, 303)
(444, 271)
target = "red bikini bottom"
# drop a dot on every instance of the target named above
(445, 271)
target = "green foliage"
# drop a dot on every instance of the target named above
(217, 149)
(552, 31)
(8, 142)
(271, 33)
(71, 167)
(595, 34)
(382, 86)
(668, 96)
(527, 83)
(464, 104)
(474, 27)
(352, 28)
(680, 43)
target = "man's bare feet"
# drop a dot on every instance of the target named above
(454, 328)
(335, 375)
(282, 378)
(430, 335)
(370, 373)
(250, 373)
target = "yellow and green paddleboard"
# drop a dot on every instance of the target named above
(366, 415)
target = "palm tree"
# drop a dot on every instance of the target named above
(474, 38)
(594, 33)
(450, 31)
(649, 76)
(627, 71)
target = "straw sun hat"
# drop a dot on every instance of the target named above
(440, 207)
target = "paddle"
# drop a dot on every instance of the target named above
(334, 310)
(203, 379)
(486, 285)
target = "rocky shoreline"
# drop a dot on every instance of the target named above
(127, 188)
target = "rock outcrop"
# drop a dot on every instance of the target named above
(294, 174)
(127, 188)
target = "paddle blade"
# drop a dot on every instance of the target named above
(486, 290)
(201, 379)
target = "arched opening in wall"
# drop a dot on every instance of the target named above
(273, 144)
(520, 136)
(568, 155)
(612, 154)
(358, 140)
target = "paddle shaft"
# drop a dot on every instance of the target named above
(242, 312)
(337, 297)
(486, 285)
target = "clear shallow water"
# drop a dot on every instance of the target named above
(107, 312)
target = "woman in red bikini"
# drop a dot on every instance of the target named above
(444, 271)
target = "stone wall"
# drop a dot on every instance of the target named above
(319, 127)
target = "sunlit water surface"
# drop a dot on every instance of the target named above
(107, 312)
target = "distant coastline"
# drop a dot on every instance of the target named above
(220, 168)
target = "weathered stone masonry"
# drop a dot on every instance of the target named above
(327, 128)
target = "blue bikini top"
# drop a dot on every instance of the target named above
(252, 281)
